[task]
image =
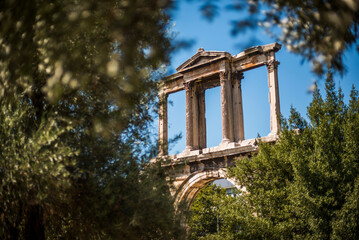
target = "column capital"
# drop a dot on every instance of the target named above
(237, 76)
(223, 76)
(200, 87)
(271, 65)
(188, 86)
(162, 95)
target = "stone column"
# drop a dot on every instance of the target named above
(230, 107)
(189, 116)
(195, 117)
(162, 125)
(238, 126)
(272, 67)
(202, 117)
(224, 107)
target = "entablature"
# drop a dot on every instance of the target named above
(206, 65)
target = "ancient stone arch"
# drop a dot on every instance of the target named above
(198, 165)
(189, 189)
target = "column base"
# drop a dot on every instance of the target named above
(225, 144)
(271, 137)
(273, 134)
(224, 141)
(189, 152)
(188, 149)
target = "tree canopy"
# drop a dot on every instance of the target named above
(77, 88)
(65, 49)
(204, 216)
(320, 31)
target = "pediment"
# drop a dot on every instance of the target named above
(201, 58)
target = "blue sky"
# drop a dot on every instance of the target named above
(295, 77)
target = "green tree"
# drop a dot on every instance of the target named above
(34, 169)
(206, 214)
(93, 64)
(306, 185)
(68, 53)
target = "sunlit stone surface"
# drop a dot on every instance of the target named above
(198, 165)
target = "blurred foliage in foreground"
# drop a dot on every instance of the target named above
(77, 85)
(321, 31)
(304, 187)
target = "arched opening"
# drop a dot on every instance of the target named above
(195, 182)
(205, 216)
